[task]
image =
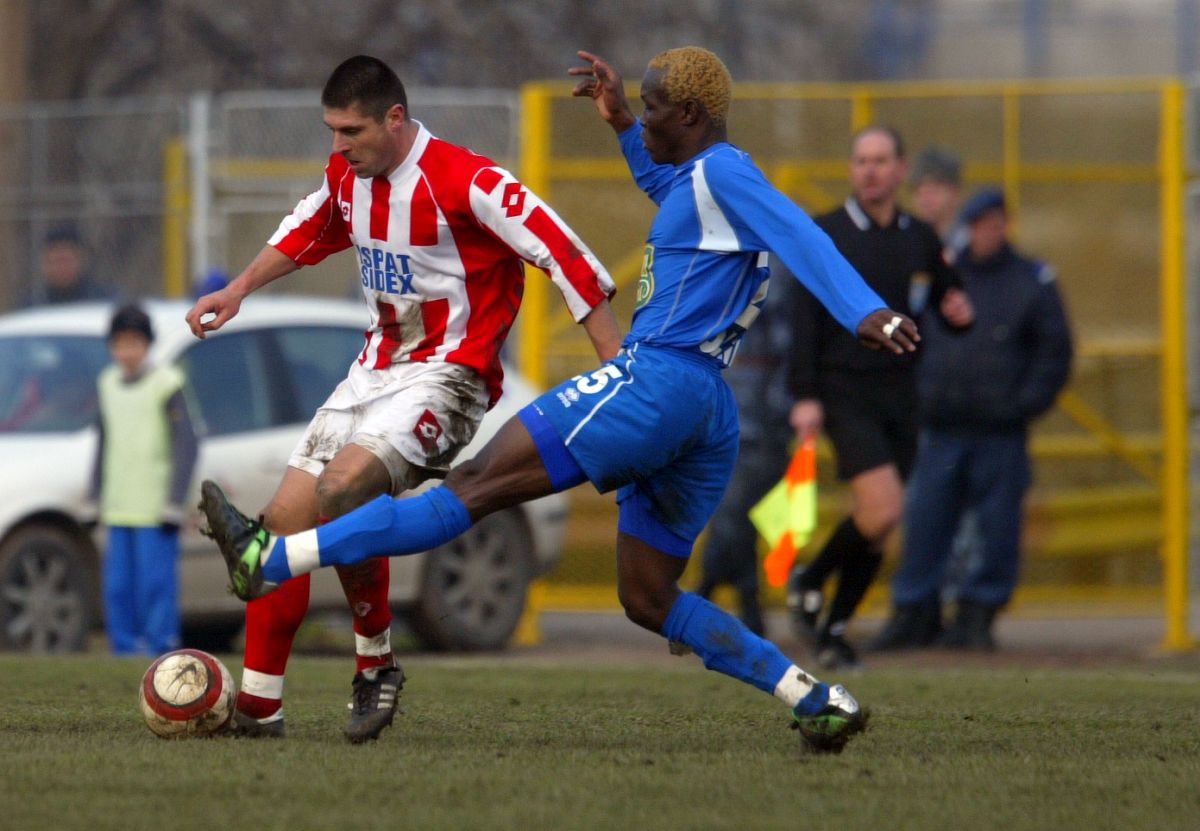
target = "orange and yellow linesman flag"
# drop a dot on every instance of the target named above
(787, 515)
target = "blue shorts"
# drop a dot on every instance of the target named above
(659, 424)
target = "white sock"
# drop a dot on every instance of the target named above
(303, 554)
(261, 684)
(794, 685)
(373, 647)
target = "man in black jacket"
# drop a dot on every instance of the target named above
(978, 391)
(864, 400)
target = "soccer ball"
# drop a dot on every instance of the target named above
(186, 693)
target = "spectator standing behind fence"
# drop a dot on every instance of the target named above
(936, 181)
(865, 401)
(978, 392)
(66, 275)
(144, 461)
(757, 377)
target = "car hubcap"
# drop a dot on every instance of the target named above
(42, 610)
(480, 579)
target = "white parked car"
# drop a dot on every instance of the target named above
(252, 387)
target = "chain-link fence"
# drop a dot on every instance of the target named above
(92, 166)
(163, 189)
(268, 150)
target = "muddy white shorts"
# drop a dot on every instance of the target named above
(413, 416)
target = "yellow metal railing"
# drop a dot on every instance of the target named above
(1153, 458)
(1173, 369)
(535, 158)
(175, 218)
(1158, 462)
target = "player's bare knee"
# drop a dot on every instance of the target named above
(339, 492)
(644, 608)
(642, 616)
(276, 518)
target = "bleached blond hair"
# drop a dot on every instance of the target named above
(694, 72)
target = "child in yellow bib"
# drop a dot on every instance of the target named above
(144, 461)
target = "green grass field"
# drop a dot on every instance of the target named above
(493, 743)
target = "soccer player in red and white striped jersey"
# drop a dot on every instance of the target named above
(440, 235)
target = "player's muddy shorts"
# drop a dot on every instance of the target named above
(660, 424)
(412, 416)
(871, 419)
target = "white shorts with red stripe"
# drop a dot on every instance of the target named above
(412, 416)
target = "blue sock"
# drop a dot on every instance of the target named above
(814, 702)
(724, 643)
(383, 527)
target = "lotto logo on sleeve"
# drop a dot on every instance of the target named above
(513, 200)
(428, 431)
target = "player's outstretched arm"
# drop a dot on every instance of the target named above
(269, 265)
(885, 329)
(602, 327)
(604, 86)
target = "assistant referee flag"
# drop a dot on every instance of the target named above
(787, 515)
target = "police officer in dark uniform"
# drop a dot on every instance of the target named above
(865, 400)
(978, 392)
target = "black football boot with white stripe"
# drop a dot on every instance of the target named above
(373, 702)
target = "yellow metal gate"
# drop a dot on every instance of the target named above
(1095, 174)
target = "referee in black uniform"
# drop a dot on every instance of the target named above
(865, 400)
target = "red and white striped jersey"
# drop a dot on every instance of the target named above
(440, 244)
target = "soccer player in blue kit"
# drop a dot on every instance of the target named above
(657, 423)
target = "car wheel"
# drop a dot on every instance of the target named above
(46, 588)
(474, 587)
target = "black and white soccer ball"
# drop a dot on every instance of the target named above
(187, 693)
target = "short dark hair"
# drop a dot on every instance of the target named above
(367, 82)
(131, 318)
(937, 164)
(884, 130)
(61, 234)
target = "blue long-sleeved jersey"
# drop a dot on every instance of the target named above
(704, 276)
